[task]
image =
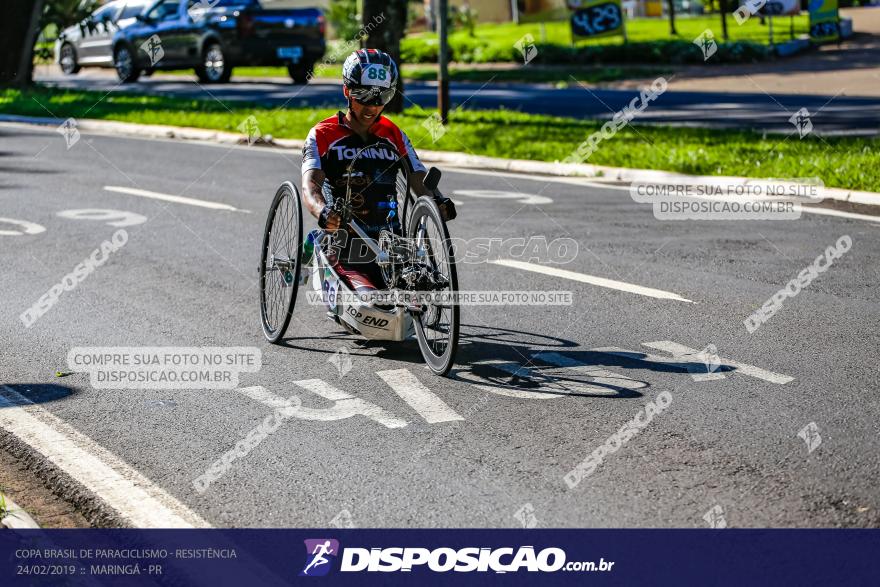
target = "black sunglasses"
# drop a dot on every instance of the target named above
(373, 95)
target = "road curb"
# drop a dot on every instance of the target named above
(17, 518)
(598, 173)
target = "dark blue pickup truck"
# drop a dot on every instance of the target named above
(213, 36)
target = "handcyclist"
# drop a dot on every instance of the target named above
(369, 83)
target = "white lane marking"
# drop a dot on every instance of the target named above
(593, 280)
(118, 218)
(625, 188)
(840, 214)
(26, 227)
(133, 496)
(420, 398)
(174, 199)
(697, 369)
(532, 199)
(679, 350)
(344, 405)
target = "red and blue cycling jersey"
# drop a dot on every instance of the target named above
(332, 145)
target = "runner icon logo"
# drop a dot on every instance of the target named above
(320, 554)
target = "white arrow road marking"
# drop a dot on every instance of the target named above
(593, 280)
(595, 373)
(679, 350)
(696, 368)
(133, 496)
(26, 227)
(344, 405)
(174, 199)
(420, 398)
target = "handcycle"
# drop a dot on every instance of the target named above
(414, 255)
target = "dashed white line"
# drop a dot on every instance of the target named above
(681, 351)
(839, 214)
(420, 398)
(174, 199)
(134, 497)
(584, 182)
(593, 280)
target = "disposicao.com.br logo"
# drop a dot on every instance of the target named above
(443, 559)
(320, 554)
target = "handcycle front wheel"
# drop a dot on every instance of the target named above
(437, 325)
(280, 261)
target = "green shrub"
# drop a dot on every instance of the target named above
(471, 50)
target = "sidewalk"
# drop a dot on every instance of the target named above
(850, 69)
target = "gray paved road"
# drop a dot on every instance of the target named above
(759, 110)
(187, 277)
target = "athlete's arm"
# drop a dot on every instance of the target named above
(313, 194)
(313, 184)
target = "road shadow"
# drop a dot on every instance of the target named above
(24, 394)
(511, 360)
(524, 364)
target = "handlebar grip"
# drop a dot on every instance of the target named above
(432, 180)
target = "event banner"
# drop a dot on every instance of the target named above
(380, 557)
(595, 18)
(824, 21)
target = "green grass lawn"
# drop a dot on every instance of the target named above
(463, 73)
(839, 162)
(638, 29)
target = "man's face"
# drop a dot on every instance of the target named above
(364, 114)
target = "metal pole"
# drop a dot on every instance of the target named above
(443, 58)
(723, 5)
(514, 11)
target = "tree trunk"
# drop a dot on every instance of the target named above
(19, 28)
(723, 4)
(389, 23)
(672, 30)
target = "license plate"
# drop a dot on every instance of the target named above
(292, 53)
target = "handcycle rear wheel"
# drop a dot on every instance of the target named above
(436, 326)
(280, 261)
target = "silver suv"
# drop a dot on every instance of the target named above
(90, 43)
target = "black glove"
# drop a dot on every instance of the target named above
(325, 213)
(447, 208)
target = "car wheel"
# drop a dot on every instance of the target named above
(301, 73)
(67, 59)
(214, 69)
(123, 61)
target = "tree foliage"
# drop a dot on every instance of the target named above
(343, 15)
(63, 13)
